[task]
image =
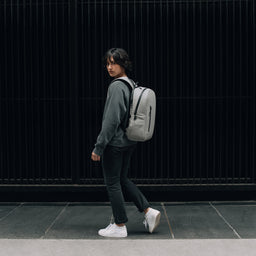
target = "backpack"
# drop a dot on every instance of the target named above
(142, 109)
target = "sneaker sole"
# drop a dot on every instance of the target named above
(157, 222)
(113, 236)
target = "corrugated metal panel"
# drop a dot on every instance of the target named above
(198, 56)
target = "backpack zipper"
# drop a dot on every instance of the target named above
(149, 118)
(137, 106)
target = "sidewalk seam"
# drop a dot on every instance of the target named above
(236, 233)
(54, 221)
(169, 224)
(9, 213)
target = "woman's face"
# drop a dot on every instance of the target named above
(114, 69)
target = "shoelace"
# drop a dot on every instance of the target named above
(109, 226)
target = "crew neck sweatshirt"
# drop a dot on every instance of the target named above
(114, 118)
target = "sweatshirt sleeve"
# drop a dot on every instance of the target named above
(114, 112)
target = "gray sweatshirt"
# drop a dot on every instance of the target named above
(114, 118)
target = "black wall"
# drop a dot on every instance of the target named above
(198, 56)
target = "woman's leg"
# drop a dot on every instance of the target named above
(112, 161)
(128, 186)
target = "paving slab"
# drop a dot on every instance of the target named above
(242, 217)
(6, 209)
(29, 221)
(197, 221)
(82, 221)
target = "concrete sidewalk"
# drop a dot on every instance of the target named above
(128, 247)
(188, 228)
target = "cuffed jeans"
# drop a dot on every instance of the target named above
(115, 164)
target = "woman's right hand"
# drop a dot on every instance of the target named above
(95, 157)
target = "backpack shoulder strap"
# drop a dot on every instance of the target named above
(126, 120)
(130, 86)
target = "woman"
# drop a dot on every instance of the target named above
(115, 150)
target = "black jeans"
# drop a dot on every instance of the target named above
(115, 164)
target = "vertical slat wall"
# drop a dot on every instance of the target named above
(35, 117)
(198, 56)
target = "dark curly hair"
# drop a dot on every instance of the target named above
(120, 57)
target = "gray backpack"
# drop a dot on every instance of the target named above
(141, 121)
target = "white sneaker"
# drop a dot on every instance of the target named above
(152, 219)
(112, 230)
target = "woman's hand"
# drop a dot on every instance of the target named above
(95, 157)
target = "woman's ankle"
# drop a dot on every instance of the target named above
(146, 210)
(120, 225)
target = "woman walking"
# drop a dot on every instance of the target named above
(115, 150)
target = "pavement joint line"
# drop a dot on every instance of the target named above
(9, 213)
(54, 221)
(169, 224)
(236, 233)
